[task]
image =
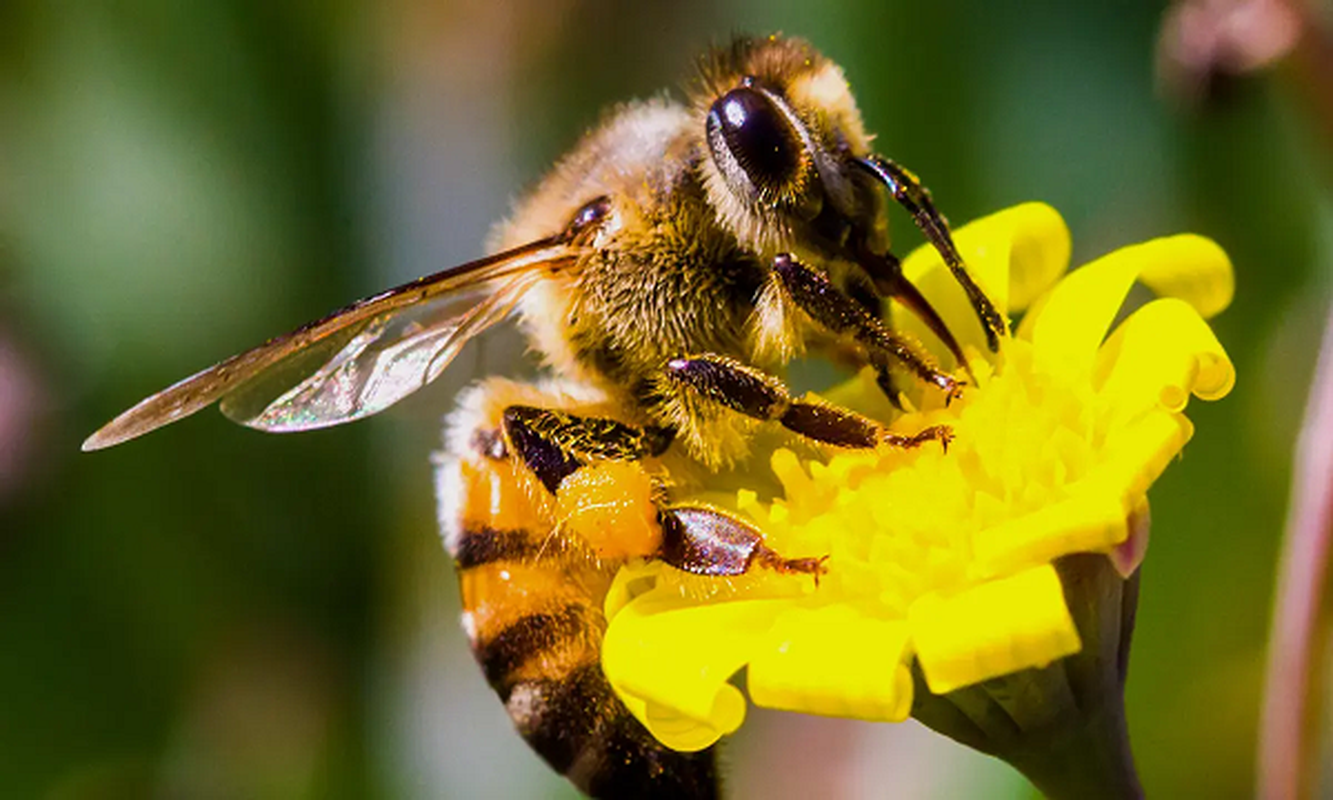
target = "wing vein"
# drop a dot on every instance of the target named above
(360, 324)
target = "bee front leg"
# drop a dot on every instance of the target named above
(814, 294)
(755, 394)
(909, 193)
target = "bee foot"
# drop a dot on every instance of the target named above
(952, 388)
(813, 567)
(936, 433)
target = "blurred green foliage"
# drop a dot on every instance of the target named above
(210, 611)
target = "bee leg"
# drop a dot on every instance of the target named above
(884, 379)
(837, 312)
(749, 391)
(708, 541)
(886, 278)
(698, 539)
(554, 444)
(907, 190)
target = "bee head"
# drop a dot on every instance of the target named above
(782, 130)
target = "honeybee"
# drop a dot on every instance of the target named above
(666, 270)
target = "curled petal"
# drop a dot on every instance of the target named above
(992, 629)
(835, 661)
(1193, 269)
(1070, 325)
(1160, 355)
(680, 693)
(1038, 250)
(1014, 254)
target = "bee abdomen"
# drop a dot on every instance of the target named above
(583, 730)
(484, 545)
(530, 639)
(532, 609)
(537, 637)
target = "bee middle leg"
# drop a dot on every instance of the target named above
(594, 468)
(728, 383)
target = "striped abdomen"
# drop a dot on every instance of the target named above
(532, 608)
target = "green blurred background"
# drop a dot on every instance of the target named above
(211, 612)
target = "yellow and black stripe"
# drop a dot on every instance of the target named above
(533, 612)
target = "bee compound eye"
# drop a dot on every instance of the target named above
(746, 125)
(590, 215)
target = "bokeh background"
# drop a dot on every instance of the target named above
(211, 612)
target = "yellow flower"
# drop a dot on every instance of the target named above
(945, 562)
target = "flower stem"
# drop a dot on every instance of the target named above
(1284, 742)
(1063, 726)
(1091, 761)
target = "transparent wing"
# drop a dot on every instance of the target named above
(356, 361)
(386, 360)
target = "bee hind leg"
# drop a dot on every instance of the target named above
(624, 513)
(708, 541)
(756, 394)
(555, 444)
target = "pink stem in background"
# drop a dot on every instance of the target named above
(1294, 654)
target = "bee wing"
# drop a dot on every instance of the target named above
(385, 361)
(356, 361)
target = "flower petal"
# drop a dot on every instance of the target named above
(1197, 271)
(1014, 254)
(1073, 319)
(835, 661)
(1090, 521)
(1039, 248)
(670, 662)
(1138, 456)
(1161, 354)
(992, 629)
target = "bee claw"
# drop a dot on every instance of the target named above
(819, 569)
(814, 567)
(952, 388)
(935, 433)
